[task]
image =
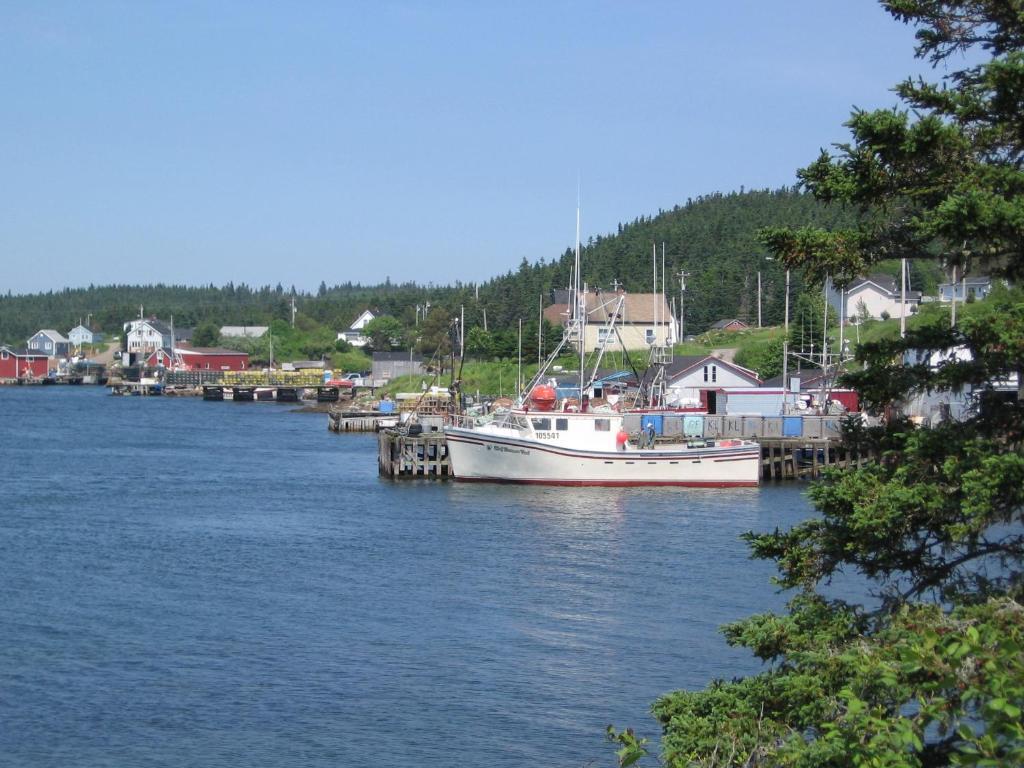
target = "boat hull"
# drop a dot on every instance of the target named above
(478, 456)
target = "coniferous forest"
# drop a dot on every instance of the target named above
(712, 238)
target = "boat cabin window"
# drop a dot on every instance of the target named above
(602, 425)
(518, 422)
(541, 425)
(561, 424)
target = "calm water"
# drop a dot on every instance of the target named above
(224, 584)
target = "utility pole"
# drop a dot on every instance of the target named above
(759, 298)
(785, 350)
(903, 298)
(683, 274)
(540, 331)
(952, 316)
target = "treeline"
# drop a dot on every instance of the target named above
(713, 238)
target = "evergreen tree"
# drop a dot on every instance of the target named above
(935, 675)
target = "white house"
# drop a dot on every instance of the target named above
(243, 331)
(970, 287)
(695, 379)
(957, 404)
(870, 297)
(49, 342)
(354, 334)
(147, 335)
(80, 335)
(643, 320)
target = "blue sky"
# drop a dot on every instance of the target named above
(258, 142)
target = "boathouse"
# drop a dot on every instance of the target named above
(695, 380)
(212, 359)
(22, 363)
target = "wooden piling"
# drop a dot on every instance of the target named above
(409, 456)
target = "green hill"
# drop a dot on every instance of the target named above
(713, 238)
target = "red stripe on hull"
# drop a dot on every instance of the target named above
(615, 483)
(630, 457)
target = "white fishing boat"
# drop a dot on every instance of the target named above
(572, 448)
(542, 440)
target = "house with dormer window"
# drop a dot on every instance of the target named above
(144, 336)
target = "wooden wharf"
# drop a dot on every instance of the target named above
(341, 420)
(142, 388)
(358, 421)
(801, 459)
(403, 455)
(413, 456)
(281, 394)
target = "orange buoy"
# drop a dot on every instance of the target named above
(543, 397)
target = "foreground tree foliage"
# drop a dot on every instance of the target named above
(932, 673)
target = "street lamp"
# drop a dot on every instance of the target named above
(682, 306)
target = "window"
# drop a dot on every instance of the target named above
(3, 355)
(603, 334)
(705, 373)
(649, 335)
(602, 425)
(561, 424)
(541, 425)
(714, 373)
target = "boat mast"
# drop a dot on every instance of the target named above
(580, 301)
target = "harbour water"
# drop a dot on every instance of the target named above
(221, 584)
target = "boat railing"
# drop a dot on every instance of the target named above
(469, 421)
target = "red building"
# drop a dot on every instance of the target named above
(159, 358)
(22, 364)
(213, 359)
(200, 359)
